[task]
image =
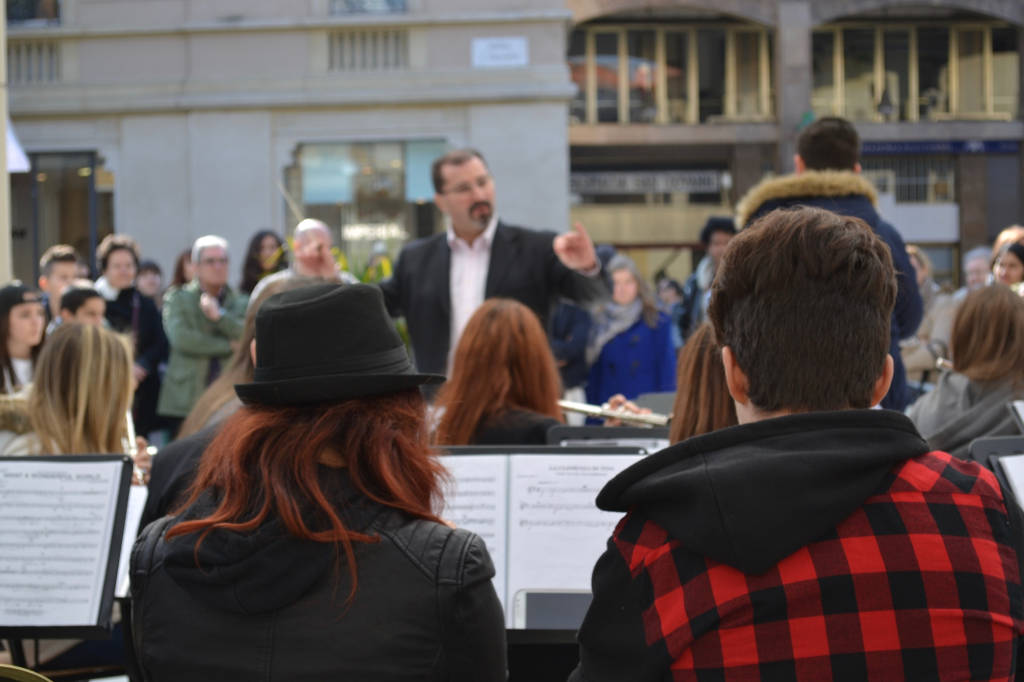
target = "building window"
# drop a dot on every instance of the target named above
(66, 198)
(674, 74)
(367, 6)
(904, 72)
(375, 195)
(33, 11)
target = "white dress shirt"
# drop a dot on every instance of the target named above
(467, 278)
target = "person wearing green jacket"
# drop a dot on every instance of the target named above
(203, 321)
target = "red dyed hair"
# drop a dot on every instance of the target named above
(503, 361)
(265, 459)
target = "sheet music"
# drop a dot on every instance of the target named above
(1013, 467)
(56, 522)
(651, 445)
(137, 495)
(477, 500)
(556, 532)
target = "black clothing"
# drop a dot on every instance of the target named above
(515, 427)
(137, 315)
(268, 606)
(174, 469)
(568, 333)
(523, 267)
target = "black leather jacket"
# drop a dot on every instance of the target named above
(267, 606)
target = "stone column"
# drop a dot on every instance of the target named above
(970, 194)
(793, 75)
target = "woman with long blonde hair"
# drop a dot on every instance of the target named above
(80, 394)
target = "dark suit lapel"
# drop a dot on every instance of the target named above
(438, 267)
(504, 252)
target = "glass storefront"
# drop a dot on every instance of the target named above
(66, 198)
(375, 196)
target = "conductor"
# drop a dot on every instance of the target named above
(439, 281)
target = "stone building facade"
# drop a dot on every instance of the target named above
(168, 119)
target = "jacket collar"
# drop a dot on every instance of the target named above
(808, 184)
(751, 495)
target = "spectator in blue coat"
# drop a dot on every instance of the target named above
(630, 349)
(828, 176)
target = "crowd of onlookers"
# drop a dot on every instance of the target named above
(188, 341)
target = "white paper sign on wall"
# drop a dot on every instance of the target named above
(501, 53)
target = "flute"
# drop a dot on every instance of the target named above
(650, 419)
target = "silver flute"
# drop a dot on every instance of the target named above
(650, 419)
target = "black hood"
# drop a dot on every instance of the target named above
(750, 495)
(266, 569)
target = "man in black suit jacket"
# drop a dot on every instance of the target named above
(439, 280)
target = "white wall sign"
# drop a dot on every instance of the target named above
(501, 53)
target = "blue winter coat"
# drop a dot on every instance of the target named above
(849, 194)
(639, 360)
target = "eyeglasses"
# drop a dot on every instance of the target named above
(214, 261)
(467, 187)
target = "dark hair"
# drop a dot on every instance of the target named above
(503, 361)
(830, 143)
(75, 296)
(150, 266)
(252, 268)
(11, 295)
(264, 463)
(703, 403)
(58, 253)
(987, 342)
(456, 157)
(116, 242)
(803, 298)
(716, 224)
(179, 268)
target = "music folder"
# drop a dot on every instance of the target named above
(62, 519)
(534, 508)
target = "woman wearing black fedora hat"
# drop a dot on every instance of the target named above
(309, 548)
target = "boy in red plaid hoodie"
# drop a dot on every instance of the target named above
(818, 539)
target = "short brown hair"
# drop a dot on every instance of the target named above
(455, 157)
(830, 143)
(987, 343)
(116, 242)
(803, 298)
(58, 253)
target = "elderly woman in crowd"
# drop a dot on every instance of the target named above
(988, 371)
(932, 339)
(310, 548)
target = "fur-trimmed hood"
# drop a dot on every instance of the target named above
(808, 184)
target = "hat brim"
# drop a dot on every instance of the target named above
(330, 388)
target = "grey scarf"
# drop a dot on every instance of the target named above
(610, 321)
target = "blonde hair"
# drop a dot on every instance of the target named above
(81, 391)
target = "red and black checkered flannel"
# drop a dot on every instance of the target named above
(918, 584)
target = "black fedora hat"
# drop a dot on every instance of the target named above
(326, 343)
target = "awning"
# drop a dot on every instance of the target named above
(17, 160)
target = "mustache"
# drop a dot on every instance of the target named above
(482, 204)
